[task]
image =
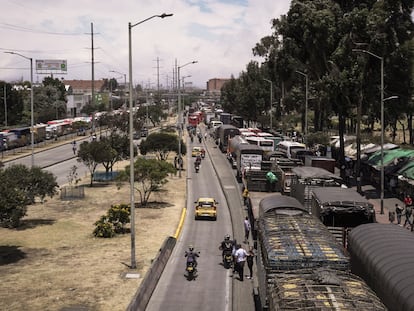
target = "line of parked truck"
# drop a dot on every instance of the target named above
(304, 228)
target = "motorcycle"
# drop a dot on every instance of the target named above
(191, 270)
(227, 259)
(196, 167)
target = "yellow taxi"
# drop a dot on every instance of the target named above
(206, 208)
(196, 151)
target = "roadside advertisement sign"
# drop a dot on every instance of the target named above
(51, 66)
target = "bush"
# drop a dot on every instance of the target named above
(119, 216)
(113, 222)
(103, 228)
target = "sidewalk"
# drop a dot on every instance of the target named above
(373, 197)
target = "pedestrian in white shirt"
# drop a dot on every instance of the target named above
(247, 228)
(241, 256)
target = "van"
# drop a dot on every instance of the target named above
(288, 146)
(215, 124)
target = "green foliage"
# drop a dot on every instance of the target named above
(73, 177)
(316, 138)
(20, 186)
(149, 176)
(103, 228)
(153, 112)
(114, 222)
(162, 143)
(89, 155)
(119, 216)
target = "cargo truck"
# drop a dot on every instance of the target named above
(289, 238)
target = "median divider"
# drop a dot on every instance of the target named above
(142, 296)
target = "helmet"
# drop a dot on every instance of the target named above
(191, 248)
(227, 237)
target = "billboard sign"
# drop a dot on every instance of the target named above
(51, 65)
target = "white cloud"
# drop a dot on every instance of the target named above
(219, 34)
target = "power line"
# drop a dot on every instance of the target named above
(24, 29)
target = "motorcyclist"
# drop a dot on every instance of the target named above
(227, 245)
(192, 255)
(198, 159)
(196, 165)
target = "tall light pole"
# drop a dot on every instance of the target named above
(182, 78)
(271, 101)
(125, 85)
(382, 121)
(5, 104)
(180, 117)
(131, 139)
(306, 100)
(31, 104)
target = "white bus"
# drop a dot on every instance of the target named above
(287, 147)
(265, 144)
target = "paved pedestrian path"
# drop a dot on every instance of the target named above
(389, 202)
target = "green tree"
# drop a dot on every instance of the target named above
(49, 104)
(117, 150)
(93, 153)
(19, 187)
(162, 143)
(149, 176)
(154, 113)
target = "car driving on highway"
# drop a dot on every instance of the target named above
(206, 208)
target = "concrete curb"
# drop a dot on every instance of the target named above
(180, 224)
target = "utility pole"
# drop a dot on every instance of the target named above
(5, 105)
(93, 76)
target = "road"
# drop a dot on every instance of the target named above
(56, 158)
(211, 290)
(215, 288)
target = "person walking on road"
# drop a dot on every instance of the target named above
(250, 259)
(398, 211)
(74, 147)
(247, 228)
(408, 213)
(241, 256)
(408, 200)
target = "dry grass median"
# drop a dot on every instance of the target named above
(53, 261)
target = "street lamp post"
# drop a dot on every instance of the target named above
(182, 78)
(306, 100)
(131, 138)
(382, 122)
(5, 104)
(271, 101)
(180, 122)
(31, 104)
(125, 85)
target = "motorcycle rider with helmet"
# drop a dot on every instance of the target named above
(227, 246)
(191, 255)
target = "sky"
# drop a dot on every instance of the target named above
(218, 34)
